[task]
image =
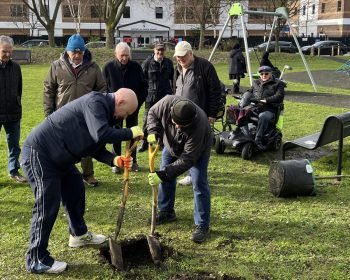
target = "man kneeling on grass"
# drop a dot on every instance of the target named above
(80, 128)
(184, 129)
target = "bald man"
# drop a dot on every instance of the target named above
(80, 128)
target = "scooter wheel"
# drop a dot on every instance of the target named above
(247, 151)
(219, 145)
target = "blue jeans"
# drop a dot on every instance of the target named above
(51, 185)
(13, 134)
(201, 190)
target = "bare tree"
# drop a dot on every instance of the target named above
(292, 8)
(41, 9)
(22, 18)
(77, 9)
(110, 11)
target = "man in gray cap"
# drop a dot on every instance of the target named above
(159, 72)
(187, 136)
(269, 91)
(73, 75)
(197, 80)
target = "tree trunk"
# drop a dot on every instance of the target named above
(109, 33)
(201, 36)
(51, 33)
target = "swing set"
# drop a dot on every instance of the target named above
(237, 10)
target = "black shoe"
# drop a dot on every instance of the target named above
(135, 167)
(164, 217)
(260, 146)
(143, 146)
(200, 234)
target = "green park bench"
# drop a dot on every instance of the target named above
(22, 55)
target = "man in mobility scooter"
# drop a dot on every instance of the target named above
(255, 117)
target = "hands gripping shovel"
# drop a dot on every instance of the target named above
(153, 242)
(114, 247)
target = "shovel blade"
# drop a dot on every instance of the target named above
(116, 254)
(155, 249)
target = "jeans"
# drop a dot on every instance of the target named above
(263, 123)
(13, 134)
(201, 190)
(51, 185)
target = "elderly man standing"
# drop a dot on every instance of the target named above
(71, 76)
(197, 80)
(187, 137)
(81, 128)
(10, 105)
(123, 72)
(159, 72)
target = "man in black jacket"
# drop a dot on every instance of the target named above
(10, 105)
(159, 72)
(80, 128)
(184, 129)
(197, 80)
(125, 73)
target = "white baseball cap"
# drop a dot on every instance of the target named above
(182, 48)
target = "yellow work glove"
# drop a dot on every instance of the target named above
(153, 179)
(123, 162)
(152, 139)
(136, 132)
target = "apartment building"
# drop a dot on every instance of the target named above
(144, 22)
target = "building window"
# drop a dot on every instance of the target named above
(323, 8)
(304, 10)
(126, 13)
(67, 11)
(159, 12)
(313, 9)
(17, 10)
(339, 6)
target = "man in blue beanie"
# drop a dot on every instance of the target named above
(74, 74)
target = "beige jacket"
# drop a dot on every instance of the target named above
(62, 85)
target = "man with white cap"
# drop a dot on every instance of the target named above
(197, 80)
(187, 136)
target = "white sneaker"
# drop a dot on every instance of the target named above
(88, 238)
(57, 267)
(185, 181)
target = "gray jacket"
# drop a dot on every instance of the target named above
(187, 144)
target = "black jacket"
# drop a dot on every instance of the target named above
(208, 86)
(131, 77)
(10, 92)
(80, 128)
(187, 144)
(272, 91)
(237, 62)
(159, 77)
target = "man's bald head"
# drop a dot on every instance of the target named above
(125, 103)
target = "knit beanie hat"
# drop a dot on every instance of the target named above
(183, 112)
(75, 43)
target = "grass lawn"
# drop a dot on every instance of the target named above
(253, 234)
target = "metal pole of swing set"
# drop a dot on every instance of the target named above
(271, 31)
(219, 38)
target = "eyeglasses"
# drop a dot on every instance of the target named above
(264, 74)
